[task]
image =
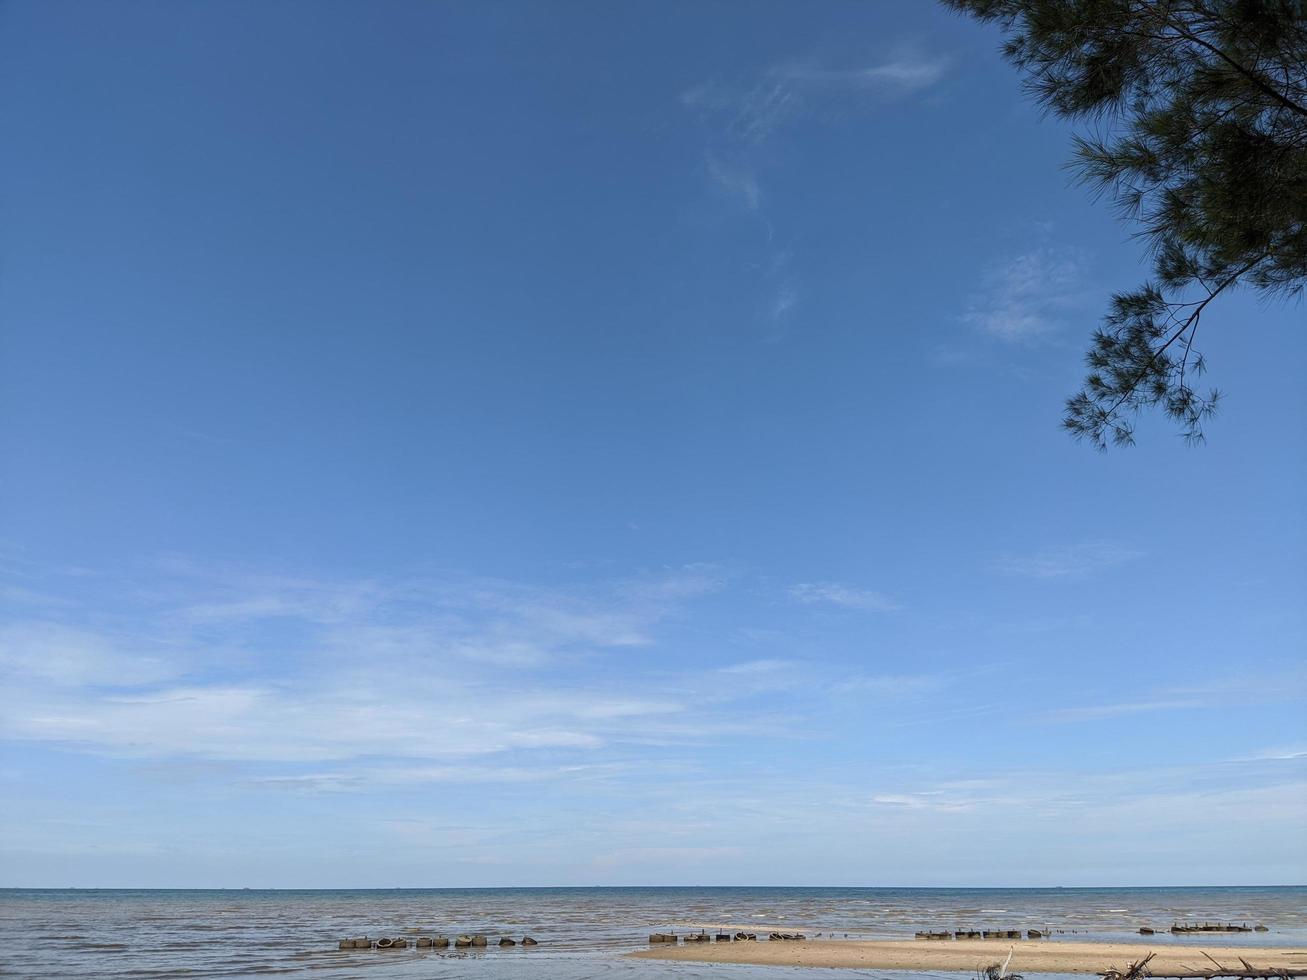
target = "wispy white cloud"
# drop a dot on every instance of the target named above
(787, 297)
(1097, 712)
(766, 666)
(16, 595)
(933, 800)
(754, 110)
(738, 115)
(1158, 792)
(230, 596)
(373, 778)
(406, 669)
(1282, 753)
(612, 715)
(66, 656)
(892, 685)
(750, 113)
(1076, 561)
(906, 73)
(1031, 294)
(672, 585)
(343, 715)
(839, 594)
(1218, 692)
(738, 182)
(655, 856)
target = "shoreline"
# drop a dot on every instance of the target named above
(971, 955)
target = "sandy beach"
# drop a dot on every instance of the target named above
(1029, 956)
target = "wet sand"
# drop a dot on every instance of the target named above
(969, 955)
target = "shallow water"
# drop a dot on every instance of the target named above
(222, 933)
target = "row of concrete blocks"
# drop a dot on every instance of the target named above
(721, 937)
(431, 942)
(982, 934)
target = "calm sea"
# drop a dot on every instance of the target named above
(193, 933)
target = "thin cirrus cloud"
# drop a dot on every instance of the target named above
(58, 655)
(843, 596)
(892, 686)
(416, 695)
(1277, 686)
(753, 111)
(258, 669)
(764, 666)
(737, 182)
(375, 777)
(787, 297)
(902, 75)
(1030, 295)
(1053, 793)
(923, 801)
(1073, 562)
(740, 115)
(749, 113)
(1097, 712)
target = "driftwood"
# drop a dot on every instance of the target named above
(996, 972)
(1139, 970)
(1271, 974)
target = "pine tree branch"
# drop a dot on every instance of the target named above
(1252, 76)
(1189, 322)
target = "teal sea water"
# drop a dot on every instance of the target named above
(49, 933)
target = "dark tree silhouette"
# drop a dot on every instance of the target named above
(1199, 133)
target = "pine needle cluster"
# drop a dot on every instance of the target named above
(1197, 118)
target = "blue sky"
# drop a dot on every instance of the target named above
(509, 443)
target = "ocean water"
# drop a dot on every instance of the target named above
(65, 933)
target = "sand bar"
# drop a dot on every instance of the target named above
(968, 955)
